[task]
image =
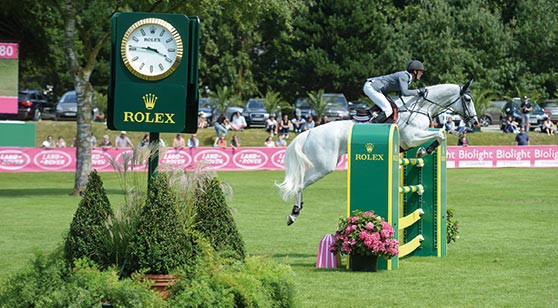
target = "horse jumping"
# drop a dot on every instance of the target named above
(314, 153)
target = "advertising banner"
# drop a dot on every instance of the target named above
(15, 159)
(8, 77)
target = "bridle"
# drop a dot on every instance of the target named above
(464, 97)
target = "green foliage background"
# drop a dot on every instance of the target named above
(295, 46)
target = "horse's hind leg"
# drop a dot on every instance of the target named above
(296, 209)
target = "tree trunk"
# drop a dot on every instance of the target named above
(84, 94)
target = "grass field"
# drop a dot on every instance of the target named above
(506, 256)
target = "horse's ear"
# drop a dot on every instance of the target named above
(466, 86)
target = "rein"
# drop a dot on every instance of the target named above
(466, 113)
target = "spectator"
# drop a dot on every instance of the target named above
(271, 125)
(145, 140)
(202, 121)
(298, 123)
(106, 144)
(526, 109)
(221, 126)
(548, 127)
(220, 142)
(462, 140)
(280, 142)
(510, 126)
(48, 143)
(324, 120)
(522, 138)
(93, 141)
(309, 123)
(61, 142)
(235, 142)
(269, 142)
(178, 142)
(285, 126)
(193, 141)
(238, 121)
(450, 126)
(123, 141)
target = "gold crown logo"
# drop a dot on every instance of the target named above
(149, 99)
(369, 147)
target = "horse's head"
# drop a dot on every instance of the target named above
(466, 107)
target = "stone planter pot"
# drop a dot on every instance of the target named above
(162, 283)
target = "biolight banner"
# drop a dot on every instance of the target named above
(14, 159)
(8, 77)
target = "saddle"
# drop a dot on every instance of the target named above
(367, 115)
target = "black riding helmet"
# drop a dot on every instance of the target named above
(415, 65)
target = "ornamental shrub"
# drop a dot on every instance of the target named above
(214, 220)
(255, 282)
(87, 230)
(452, 227)
(160, 244)
(49, 282)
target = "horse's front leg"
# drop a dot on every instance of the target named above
(424, 136)
(296, 209)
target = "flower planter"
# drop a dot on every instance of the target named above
(162, 283)
(360, 263)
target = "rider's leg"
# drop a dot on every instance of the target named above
(379, 99)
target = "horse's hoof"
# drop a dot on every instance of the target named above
(421, 152)
(290, 220)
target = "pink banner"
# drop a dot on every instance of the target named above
(38, 159)
(8, 51)
(8, 104)
(542, 156)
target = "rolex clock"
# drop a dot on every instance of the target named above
(153, 70)
(151, 49)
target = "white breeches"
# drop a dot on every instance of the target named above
(378, 98)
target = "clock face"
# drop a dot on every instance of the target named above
(151, 49)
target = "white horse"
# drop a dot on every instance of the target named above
(314, 153)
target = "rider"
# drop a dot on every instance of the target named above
(376, 88)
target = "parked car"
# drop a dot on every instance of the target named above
(255, 113)
(32, 105)
(66, 109)
(551, 110)
(511, 108)
(337, 107)
(207, 106)
(492, 113)
(302, 107)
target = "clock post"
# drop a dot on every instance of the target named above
(154, 76)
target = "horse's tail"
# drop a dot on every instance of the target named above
(296, 163)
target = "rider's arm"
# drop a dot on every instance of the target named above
(404, 86)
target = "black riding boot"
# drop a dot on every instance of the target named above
(380, 118)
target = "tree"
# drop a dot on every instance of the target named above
(85, 238)
(274, 103)
(318, 102)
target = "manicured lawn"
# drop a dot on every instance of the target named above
(506, 255)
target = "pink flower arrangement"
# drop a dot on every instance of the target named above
(365, 234)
